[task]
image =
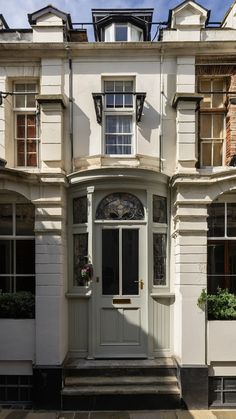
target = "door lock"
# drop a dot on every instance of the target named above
(141, 284)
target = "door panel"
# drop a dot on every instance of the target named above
(120, 328)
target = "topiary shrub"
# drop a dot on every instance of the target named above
(20, 305)
(220, 306)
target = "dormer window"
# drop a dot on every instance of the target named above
(122, 25)
(122, 32)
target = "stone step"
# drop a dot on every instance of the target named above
(120, 390)
(155, 367)
(118, 380)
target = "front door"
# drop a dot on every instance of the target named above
(120, 292)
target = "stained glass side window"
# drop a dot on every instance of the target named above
(159, 259)
(80, 257)
(80, 210)
(159, 209)
(120, 206)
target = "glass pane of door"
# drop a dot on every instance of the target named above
(110, 262)
(130, 273)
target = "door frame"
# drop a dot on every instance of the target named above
(141, 226)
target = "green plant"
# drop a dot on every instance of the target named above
(20, 305)
(219, 306)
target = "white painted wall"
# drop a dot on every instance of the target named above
(17, 340)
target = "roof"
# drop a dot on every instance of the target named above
(228, 12)
(66, 18)
(2, 19)
(182, 4)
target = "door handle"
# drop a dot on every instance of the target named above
(141, 284)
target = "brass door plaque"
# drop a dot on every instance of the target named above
(121, 301)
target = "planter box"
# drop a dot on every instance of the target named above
(221, 340)
(17, 339)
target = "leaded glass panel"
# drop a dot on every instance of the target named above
(120, 206)
(80, 257)
(80, 210)
(159, 259)
(159, 209)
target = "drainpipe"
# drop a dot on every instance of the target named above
(71, 106)
(161, 113)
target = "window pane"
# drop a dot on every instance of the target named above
(32, 159)
(110, 262)
(232, 265)
(20, 159)
(20, 121)
(121, 33)
(6, 257)
(217, 154)
(109, 86)
(25, 219)
(159, 209)
(206, 151)
(30, 101)
(159, 259)
(218, 99)
(110, 101)
(20, 87)
(215, 267)
(25, 257)
(80, 257)
(31, 126)
(216, 220)
(6, 284)
(130, 273)
(31, 146)
(231, 220)
(205, 126)
(20, 101)
(119, 100)
(230, 397)
(218, 126)
(6, 223)
(230, 384)
(25, 283)
(80, 210)
(119, 86)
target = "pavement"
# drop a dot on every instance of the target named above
(154, 414)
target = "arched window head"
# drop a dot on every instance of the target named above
(120, 206)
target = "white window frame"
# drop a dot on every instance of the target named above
(210, 111)
(112, 32)
(25, 111)
(120, 111)
(14, 238)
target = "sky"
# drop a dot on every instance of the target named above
(15, 11)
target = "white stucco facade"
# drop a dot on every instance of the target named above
(82, 320)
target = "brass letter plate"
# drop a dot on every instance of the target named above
(121, 301)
